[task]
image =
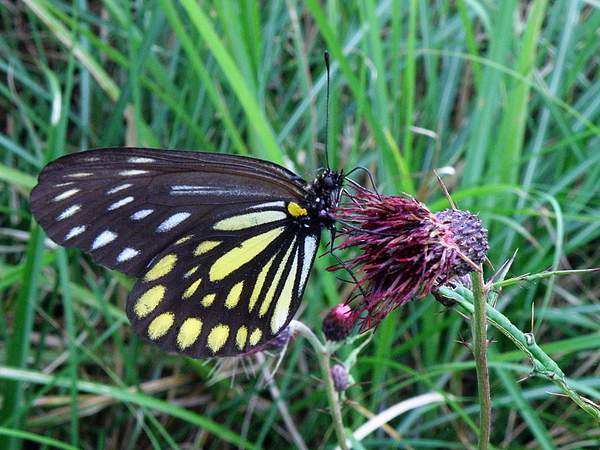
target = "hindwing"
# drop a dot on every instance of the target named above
(230, 289)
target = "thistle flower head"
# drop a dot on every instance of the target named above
(406, 251)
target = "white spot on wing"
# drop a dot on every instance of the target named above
(268, 205)
(141, 214)
(204, 190)
(310, 248)
(139, 159)
(120, 203)
(103, 238)
(91, 159)
(69, 212)
(119, 188)
(65, 194)
(75, 231)
(127, 254)
(79, 175)
(172, 221)
(129, 173)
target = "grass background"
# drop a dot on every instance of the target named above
(501, 97)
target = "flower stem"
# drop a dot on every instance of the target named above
(323, 357)
(333, 397)
(479, 327)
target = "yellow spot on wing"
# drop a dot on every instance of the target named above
(255, 336)
(189, 332)
(249, 220)
(149, 300)
(190, 290)
(260, 281)
(208, 300)
(190, 272)
(277, 279)
(205, 246)
(161, 268)
(242, 254)
(217, 337)
(234, 295)
(241, 337)
(184, 239)
(284, 301)
(160, 325)
(296, 210)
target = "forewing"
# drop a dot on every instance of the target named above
(126, 205)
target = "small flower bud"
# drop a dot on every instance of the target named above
(340, 378)
(279, 341)
(276, 344)
(338, 323)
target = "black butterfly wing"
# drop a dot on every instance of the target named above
(222, 244)
(124, 205)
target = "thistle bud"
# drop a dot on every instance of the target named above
(279, 341)
(338, 323)
(340, 377)
(274, 345)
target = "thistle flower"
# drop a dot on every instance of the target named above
(406, 250)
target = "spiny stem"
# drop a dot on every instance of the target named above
(479, 327)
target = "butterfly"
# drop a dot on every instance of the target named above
(222, 245)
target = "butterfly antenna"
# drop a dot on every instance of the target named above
(326, 56)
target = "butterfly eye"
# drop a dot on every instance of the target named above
(222, 245)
